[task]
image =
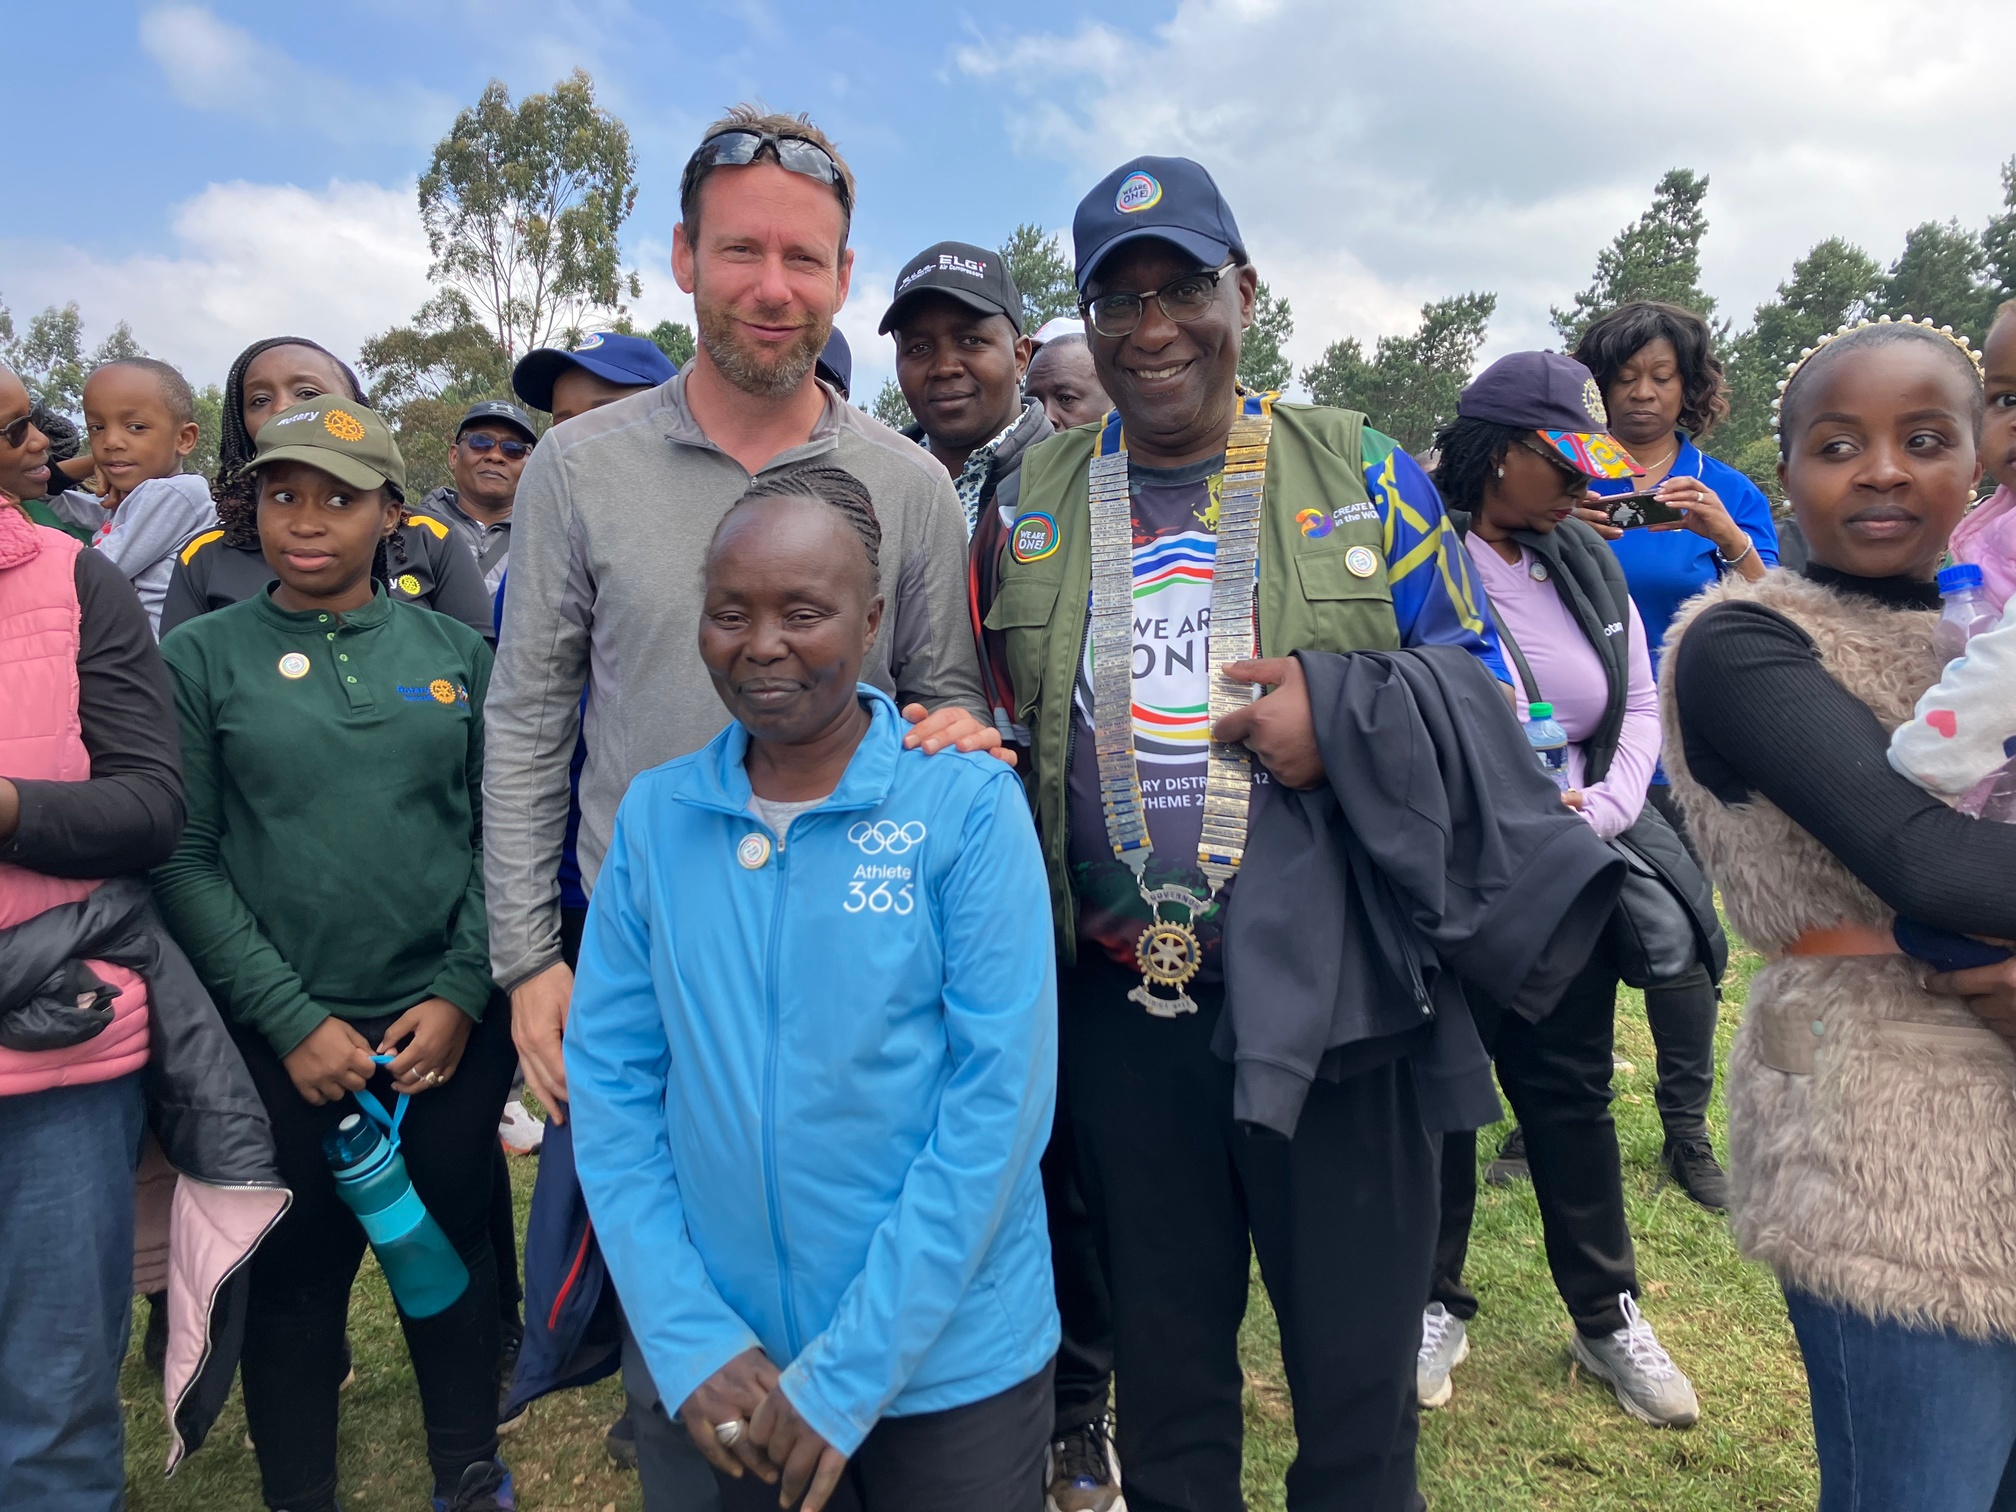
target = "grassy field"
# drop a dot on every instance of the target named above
(1527, 1429)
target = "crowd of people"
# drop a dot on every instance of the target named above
(941, 967)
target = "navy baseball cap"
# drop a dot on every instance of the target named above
(633, 361)
(1172, 199)
(497, 409)
(836, 364)
(1557, 399)
(972, 275)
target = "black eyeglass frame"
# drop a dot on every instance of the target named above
(1213, 276)
(793, 154)
(480, 442)
(15, 433)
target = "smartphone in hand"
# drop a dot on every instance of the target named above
(1634, 511)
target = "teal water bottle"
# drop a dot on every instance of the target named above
(1549, 742)
(420, 1265)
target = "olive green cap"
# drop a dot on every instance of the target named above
(340, 436)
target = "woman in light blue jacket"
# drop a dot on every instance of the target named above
(812, 1059)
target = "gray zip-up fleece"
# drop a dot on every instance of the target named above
(613, 513)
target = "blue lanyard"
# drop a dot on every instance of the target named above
(388, 1122)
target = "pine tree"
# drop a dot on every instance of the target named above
(1042, 272)
(891, 408)
(1657, 256)
(1941, 275)
(1409, 387)
(1263, 366)
(675, 340)
(1998, 242)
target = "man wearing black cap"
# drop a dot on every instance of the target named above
(1160, 520)
(960, 358)
(605, 367)
(491, 445)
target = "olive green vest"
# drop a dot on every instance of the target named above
(1309, 600)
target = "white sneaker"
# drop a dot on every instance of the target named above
(1445, 1344)
(1648, 1384)
(518, 1131)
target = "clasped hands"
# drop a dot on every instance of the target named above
(768, 1437)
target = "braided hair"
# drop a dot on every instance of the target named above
(236, 491)
(830, 485)
(1468, 454)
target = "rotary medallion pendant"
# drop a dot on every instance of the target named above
(1168, 954)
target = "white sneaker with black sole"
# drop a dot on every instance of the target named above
(1445, 1344)
(1648, 1384)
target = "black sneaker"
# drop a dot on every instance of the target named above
(484, 1487)
(507, 1367)
(1510, 1166)
(1692, 1165)
(1084, 1472)
(621, 1442)
(154, 1346)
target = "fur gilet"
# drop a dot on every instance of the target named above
(1872, 1125)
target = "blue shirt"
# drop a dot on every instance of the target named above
(1664, 569)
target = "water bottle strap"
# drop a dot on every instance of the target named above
(373, 1110)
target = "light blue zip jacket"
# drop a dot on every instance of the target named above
(810, 1093)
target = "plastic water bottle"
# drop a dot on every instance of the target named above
(1965, 612)
(420, 1265)
(1549, 742)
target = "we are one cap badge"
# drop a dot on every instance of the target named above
(1138, 191)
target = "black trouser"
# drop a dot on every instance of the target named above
(1556, 1074)
(1085, 1356)
(1682, 1014)
(984, 1457)
(1343, 1220)
(504, 1235)
(302, 1273)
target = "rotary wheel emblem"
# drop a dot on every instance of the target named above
(1168, 954)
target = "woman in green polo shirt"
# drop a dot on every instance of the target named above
(329, 889)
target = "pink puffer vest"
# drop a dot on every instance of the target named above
(42, 740)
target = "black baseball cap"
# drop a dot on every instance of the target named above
(1172, 199)
(497, 409)
(633, 361)
(974, 276)
(1557, 399)
(836, 364)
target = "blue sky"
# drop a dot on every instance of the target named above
(246, 170)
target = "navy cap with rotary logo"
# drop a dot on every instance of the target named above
(628, 361)
(974, 276)
(1170, 199)
(337, 436)
(1555, 397)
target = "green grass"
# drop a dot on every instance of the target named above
(1526, 1428)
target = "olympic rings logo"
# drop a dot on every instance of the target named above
(885, 837)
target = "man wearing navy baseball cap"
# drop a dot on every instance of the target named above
(1159, 520)
(486, 461)
(605, 367)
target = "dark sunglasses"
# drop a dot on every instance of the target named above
(16, 434)
(514, 451)
(739, 148)
(1182, 299)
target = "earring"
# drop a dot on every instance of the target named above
(1501, 472)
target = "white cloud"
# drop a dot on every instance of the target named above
(1378, 156)
(213, 65)
(249, 261)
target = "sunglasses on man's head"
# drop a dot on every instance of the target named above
(514, 451)
(740, 147)
(16, 433)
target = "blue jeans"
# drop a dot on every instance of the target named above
(67, 1158)
(1907, 1419)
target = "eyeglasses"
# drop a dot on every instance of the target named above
(16, 434)
(514, 451)
(1569, 475)
(1182, 299)
(739, 148)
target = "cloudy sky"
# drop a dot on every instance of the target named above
(230, 171)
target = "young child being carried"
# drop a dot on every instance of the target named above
(1987, 536)
(141, 420)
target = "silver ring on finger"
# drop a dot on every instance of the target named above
(432, 1078)
(729, 1434)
